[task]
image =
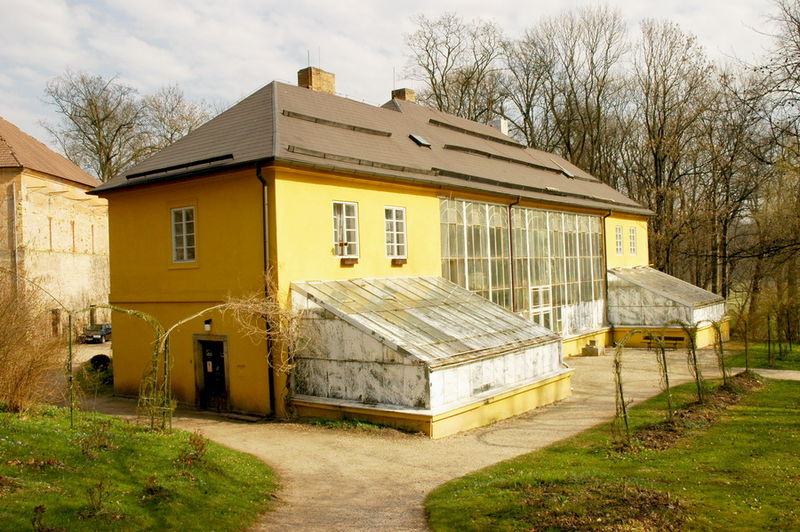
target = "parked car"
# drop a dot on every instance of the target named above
(97, 333)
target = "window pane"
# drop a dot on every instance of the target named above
(183, 240)
(345, 229)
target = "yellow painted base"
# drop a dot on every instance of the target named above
(467, 417)
(574, 346)
(706, 336)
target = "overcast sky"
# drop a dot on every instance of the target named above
(221, 51)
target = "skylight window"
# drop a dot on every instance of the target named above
(419, 141)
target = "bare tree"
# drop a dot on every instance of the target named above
(101, 125)
(458, 63)
(106, 127)
(671, 76)
(170, 115)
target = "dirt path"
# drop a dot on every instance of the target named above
(365, 480)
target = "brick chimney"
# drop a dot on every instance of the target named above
(317, 79)
(404, 94)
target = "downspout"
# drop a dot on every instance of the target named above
(605, 275)
(268, 325)
(511, 253)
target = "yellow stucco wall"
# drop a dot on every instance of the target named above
(229, 235)
(705, 337)
(574, 346)
(626, 258)
(301, 220)
(229, 240)
(246, 365)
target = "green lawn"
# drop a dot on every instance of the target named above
(741, 472)
(150, 481)
(758, 356)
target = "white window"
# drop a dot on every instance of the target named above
(345, 229)
(620, 249)
(632, 240)
(395, 225)
(541, 306)
(183, 235)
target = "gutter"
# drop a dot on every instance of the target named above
(268, 324)
(157, 179)
(550, 198)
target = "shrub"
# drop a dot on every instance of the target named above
(98, 438)
(28, 352)
(195, 451)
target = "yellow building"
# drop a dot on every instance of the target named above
(51, 231)
(443, 269)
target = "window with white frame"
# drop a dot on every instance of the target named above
(540, 307)
(345, 229)
(395, 226)
(632, 240)
(620, 249)
(183, 234)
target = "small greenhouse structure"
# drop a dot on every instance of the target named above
(420, 353)
(641, 297)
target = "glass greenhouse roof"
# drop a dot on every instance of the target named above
(429, 318)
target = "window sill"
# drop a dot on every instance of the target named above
(398, 262)
(183, 265)
(348, 261)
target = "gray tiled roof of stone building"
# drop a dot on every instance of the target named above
(291, 124)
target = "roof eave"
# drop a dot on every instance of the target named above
(157, 179)
(183, 175)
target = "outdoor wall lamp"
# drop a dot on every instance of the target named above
(207, 325)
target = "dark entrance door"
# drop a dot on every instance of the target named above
(215, 393)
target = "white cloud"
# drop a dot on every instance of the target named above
(223, 51)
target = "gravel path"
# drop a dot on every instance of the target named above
(368, 480)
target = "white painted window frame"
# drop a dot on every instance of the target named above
(618, 234)
(341, 226)
(180, 245)
(632, 244)
(394, 248)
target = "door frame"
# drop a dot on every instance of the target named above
(199, 374)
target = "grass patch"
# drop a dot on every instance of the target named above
(758, 355)
(734, 466)
(107, 474)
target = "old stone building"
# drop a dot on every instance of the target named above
(51, 231)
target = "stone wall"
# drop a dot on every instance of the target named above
(61, 238)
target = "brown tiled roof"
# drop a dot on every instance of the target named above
(20, 150)
(292, 124)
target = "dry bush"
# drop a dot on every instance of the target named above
(28, 351)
